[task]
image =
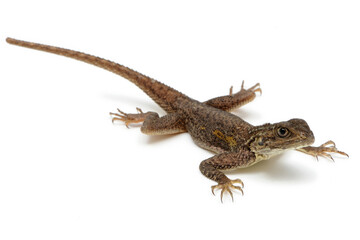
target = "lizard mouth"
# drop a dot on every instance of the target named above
(305, 136)
(303, 140)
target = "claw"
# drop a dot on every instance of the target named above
(139, 110)
(328, 143)
(129, 118)
(231, 91)
(226, 187)
(242, 84)
(330, 147)
(324, 150)
(254, 89)
(240, 189)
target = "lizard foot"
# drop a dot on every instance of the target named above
(226, 187)
(254, 89)
(324, 150)
(129, 118)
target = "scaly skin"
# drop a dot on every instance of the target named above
(237, 144)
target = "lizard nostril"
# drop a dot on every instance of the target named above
(303, 135)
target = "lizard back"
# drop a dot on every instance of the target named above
(214, 129)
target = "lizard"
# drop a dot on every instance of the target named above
(235, 142)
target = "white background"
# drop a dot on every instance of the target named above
(67, 172)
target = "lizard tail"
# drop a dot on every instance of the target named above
(165, 96)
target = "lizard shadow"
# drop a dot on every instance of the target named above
(276, 169)
(124, 101)
(160, 138)
(246, 114)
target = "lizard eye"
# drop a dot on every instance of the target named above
(283, 132)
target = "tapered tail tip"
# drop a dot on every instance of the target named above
(9, 40)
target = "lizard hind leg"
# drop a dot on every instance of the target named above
(235, 100)
(152, 124)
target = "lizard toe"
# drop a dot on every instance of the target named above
(227, 187)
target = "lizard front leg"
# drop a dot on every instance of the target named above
(236, 100)
(152, 124)
(211, 168)
(324, 150)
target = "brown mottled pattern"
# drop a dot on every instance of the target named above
(163, 95)
(168, 124)
(232, 101)
(224, 161)
(237, 143)
(203, 122)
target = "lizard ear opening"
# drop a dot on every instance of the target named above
(283, 132)
(260, 142)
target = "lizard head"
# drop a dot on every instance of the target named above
(271, 139)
